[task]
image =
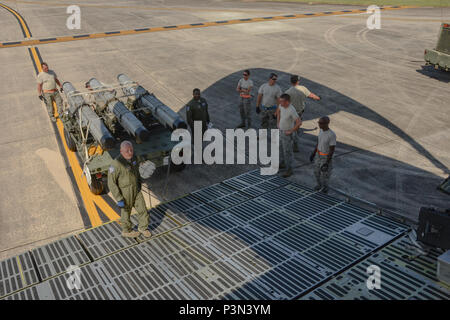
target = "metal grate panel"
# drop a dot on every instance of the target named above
(16, 273)
(27, 294)
(186, 209)
(250, 184)
(160, 222)
(401, 278)
(105, 240)
(275, 240)
(220, 196)
(54, 258)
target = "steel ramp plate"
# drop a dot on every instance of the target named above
(401, 278)
(220, 196)
(278, 240)
(16, 273)
(160, 222)
(54, 258)
(186, 209)
(250, 184)
(104, 240)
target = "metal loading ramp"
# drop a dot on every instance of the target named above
(248, 237)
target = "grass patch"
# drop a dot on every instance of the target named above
(418, 3)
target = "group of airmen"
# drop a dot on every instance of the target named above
(275, 108)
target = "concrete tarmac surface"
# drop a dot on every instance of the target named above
(390, 112)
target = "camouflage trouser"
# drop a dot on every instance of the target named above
(286, 142)
(267, 119)
(142, 214)
(244, 108)
(322, 178)
(299, 133)
(49, 98)
(296, 141)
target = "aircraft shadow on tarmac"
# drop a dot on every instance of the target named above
(376, 173)
(431, 72)
(370, 173)
(222, 100)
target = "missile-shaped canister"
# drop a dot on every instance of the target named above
(166, 116)
(79, 109)
(126, 118)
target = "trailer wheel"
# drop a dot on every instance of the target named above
(69, 141)
(96, 186)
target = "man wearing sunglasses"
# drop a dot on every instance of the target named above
(267, 102)
(244, 88)
(323, 154)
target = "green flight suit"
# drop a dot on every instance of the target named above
(124, 182)
(197, 110)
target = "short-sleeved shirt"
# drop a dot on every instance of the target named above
(325, 140)
(298, 96)
(288, 116)
(270, 94)
(197, 110)
(47, 79)
(245, 84)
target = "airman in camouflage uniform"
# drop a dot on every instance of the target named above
(124, 182)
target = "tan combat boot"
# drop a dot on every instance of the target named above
(146, 233)
(131, 234)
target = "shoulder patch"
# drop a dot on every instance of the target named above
(111, 169)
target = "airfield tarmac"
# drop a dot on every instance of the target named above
(389, 111)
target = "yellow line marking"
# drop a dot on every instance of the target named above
(24, 25)
(21, 271)
(107, 210)
(86, 195)
(187, 26)
(397, 19)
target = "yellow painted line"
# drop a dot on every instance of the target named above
(397, 19)
(86, 195)
(24, 25)
(106, 208)
(33, 42)
(21, 271)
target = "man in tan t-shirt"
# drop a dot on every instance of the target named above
(298, 96)
(288, 122)
(47, 81)
(323, 155)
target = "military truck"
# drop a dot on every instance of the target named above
(440, 56)
(97, 120)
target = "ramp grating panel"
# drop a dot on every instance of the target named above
(56, 257)
(220, 196)
(105, 240)
(160, 223)
(401, 278)
(16, 273)
(187, 209)
(250, 237)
